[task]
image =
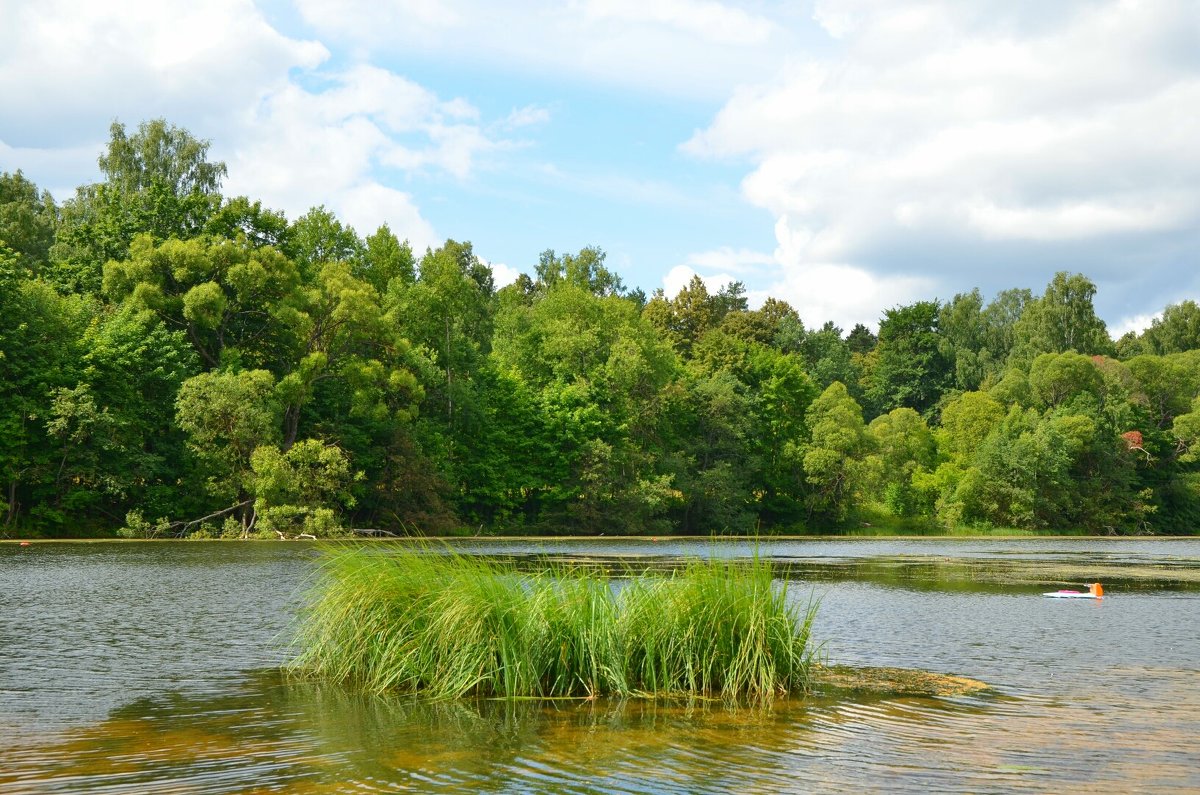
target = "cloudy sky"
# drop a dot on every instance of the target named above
(845, 155)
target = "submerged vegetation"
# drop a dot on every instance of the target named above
(446, 625)
(176, 362)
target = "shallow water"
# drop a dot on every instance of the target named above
(152, 667)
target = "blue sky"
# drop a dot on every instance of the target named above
(845, 155)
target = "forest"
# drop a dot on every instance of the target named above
(175, 362)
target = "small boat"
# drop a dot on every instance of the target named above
(1094, 591)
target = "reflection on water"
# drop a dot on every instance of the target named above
(149, 668)
(276, 735)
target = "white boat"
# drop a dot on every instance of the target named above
(1094, 591)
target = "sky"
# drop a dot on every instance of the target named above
(846, 156)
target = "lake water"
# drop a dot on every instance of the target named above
(153, 667)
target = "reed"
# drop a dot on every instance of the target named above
(446, 625)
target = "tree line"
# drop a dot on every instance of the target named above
(175, 362)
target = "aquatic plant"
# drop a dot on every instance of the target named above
(446, 625)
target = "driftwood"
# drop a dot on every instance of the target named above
(285, 537)
(372, 531)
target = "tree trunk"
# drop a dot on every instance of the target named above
(449, 393)
(11, 517)
(291, 427)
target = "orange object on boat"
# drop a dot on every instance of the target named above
(1096, 589)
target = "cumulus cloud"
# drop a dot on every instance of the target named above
(727, 258)
(329, 144)
(502, 274)
(67, 63)
(978, 142)
(1135, 323)
(295, 130)
(695, 48)
(681, 275)
(711, 21)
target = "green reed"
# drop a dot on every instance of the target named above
(446, 625)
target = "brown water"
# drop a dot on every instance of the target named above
(153, 668)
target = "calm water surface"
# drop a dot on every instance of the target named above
(151, 667)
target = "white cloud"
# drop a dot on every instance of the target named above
(741, 260)
(369, 205)
(681, 275)
(56, 170)
(68, 63)
(945, 133)
(502, 274)
(302, 147)
(294, 131)
(528, 116)
(692, 48)
(842, 293)
(711, 21)
(1135, 323)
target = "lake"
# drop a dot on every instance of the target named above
(153, 667)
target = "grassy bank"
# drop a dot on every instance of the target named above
(444, 625)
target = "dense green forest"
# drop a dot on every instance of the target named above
(177, 362)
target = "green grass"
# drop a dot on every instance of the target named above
(445, 625)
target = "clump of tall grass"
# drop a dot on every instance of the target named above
(446, 625)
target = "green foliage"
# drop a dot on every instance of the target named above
(384, 258)
(169, 352)
(1062, 320)
(686, 318)
(159, 154)
(966, 422)
(979, 339)
(1177, 331)
(306, 477)
(318, 238)
(1055, 378)
(911, 369)
(830, 460)
(826, 355)
(1186, 429)
(234, 302)
(158, 182)
(1165, 385)
(239, 217)
(446, 626)
(585, 270)
(226, 417)
(28, 220)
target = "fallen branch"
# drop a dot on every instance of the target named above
(371, 531)
(181, 528)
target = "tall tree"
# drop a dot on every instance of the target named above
(1178, 329)
(1062, 320)
(831, 460)
(449, 310)
(912, 370)
(585, 270)
(235, 302)
(40, 351)
(386, 258)
(317, 238)
(28, 220)
(158, 181)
